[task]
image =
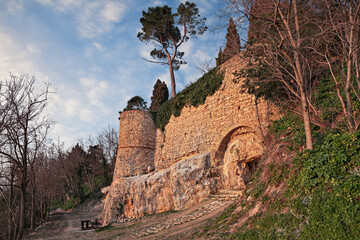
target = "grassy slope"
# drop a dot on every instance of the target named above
(297, 194)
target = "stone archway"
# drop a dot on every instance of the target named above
(238, 154)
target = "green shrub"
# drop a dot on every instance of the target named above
(322, 197)
(70, 204)
(329, 185)
(195, 94)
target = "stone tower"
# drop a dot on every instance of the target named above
(136, 143)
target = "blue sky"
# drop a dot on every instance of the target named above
(89, 52)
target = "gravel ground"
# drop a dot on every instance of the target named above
(183, 224)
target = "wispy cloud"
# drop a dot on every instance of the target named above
(97, 18)
(93, 18)
(89, 51)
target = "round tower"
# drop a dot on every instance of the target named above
(136, 143)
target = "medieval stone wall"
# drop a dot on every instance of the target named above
(203, 128)
(213, 146)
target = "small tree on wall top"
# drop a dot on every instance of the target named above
(136, 103)
(160, 95)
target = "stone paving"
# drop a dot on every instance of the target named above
(216, 201)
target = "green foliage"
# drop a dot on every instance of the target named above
(326, 100)
(330, 166)
(232, 46)
(322, 196)
(161, 26)
(259, 81)
(289, 128)
(136, 103)
(71, 203)
(258, 190)
(160, 95)
(278, 173)
(271, 226)
(220, 58)
(195, 94)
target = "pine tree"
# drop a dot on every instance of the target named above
(232, 46)
(160, 95)
(163, 28)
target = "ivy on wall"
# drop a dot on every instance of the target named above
(194, 94)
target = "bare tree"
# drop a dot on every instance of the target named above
(338, 44)
(108, 141)
(204, 66)
(23, 132)
(277, 33)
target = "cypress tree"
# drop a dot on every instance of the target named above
(220, 58)
(232, 46)
(160, 95)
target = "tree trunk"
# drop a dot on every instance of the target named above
(300, 82)
(306, 116)
(172, 78)
(22, 204)
(11, 200)
(348, 77)
(32, 217)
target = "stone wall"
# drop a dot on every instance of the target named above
(213, 146)
(203, 128)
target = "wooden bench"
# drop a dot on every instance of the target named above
(85, 225)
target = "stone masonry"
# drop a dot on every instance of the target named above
(136, 144)
(207, 148)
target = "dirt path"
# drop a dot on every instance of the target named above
(62, 225)
(168, 225)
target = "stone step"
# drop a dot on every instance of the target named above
(225, 195)
(230, 192)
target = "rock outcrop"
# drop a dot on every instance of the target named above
(184, 184)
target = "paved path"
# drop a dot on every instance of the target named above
(168, 225)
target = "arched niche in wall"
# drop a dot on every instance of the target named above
(237, 155)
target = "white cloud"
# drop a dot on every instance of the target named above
(112, 11)
(145, 50)
(98, 46)
(61, 5)
(87, 115)
(16, 58)
(72, 106)
(68, 4)
(201, 56)
(97, 18)
(32, 48)
(93, 18)
(87, 82)
(15, 6)
(158, 3)
(96, 93)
